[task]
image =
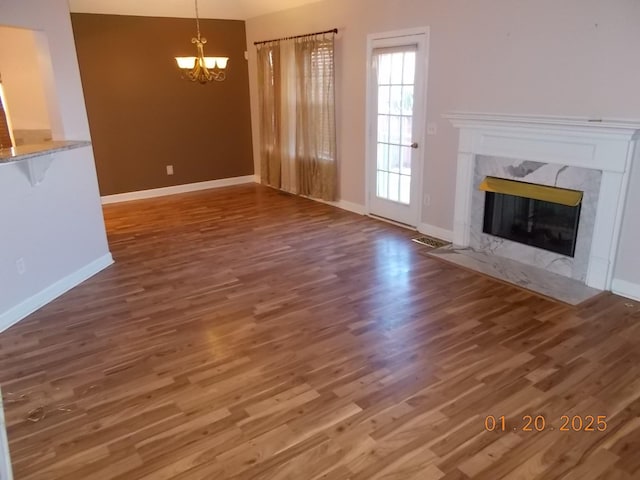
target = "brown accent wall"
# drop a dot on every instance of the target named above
(143, 116)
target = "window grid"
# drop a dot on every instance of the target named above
(394, 144)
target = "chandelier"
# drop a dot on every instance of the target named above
(202, 69)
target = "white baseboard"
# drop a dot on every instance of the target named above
(37, 301)
(437, 232)
(344, 205)
(351, 207)
(626, 289)
(392, 222)
(225, 182)
(5, 459)
(190, 187)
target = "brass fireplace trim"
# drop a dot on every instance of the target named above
(563, 196)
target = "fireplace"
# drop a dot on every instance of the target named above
(535, 215)
(591, 157)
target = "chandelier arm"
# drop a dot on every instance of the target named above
(197, 19)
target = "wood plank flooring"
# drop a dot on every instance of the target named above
(247, 334)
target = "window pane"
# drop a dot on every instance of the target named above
(406, 160)
(405, 189)
(383, 156)
(383, 100)
(396, 78)
(383, 128)
(407, 100)
(409, 76)
(394, 158)
(383, 185)
(384, 69)
(407, 131)
(394, 187)
(396, 100)
(394, 129)
(397, 68)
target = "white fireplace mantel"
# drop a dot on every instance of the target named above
(605, 145)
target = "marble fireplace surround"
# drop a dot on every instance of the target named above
(593, 156)
(549, 174)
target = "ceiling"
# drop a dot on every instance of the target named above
(225, 9)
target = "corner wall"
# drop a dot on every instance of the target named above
(56, 229)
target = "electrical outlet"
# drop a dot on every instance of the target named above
(169, 169)
(432, 128)
(427, 200)
(21, 267)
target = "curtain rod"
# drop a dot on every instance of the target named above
(335, 30)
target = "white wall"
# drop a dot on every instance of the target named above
(627, 273)
(56, 227)
(569, 58)
(22, 79)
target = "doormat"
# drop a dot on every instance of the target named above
(430, 241)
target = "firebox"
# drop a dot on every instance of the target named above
(536, 215)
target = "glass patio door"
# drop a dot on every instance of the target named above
(396, 98)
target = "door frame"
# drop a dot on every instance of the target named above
(391, 39)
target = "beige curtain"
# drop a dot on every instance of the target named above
(315, 118)
(288, 127)
(270, 116)
(297, 116)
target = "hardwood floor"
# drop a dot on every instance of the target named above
(247, 334)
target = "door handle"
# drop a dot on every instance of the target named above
(414, 145)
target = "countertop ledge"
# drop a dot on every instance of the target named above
(25, 152)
